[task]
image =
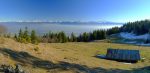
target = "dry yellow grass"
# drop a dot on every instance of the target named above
(77, 56)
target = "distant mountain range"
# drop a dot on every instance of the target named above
(68, 22)
(87, 22)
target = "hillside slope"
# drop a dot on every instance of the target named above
(68, 57)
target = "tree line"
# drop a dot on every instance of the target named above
(24, 36)
(61, 37)
(138, 27)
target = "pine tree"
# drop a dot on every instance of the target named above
(94, 35)
(34, 39)
(15, 37)
(103, 32)
(63, 37)
(85, 37)
(79, 38)
(20, 34)
(25, 34)
(73, 38)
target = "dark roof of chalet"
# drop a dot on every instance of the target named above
(122, 54)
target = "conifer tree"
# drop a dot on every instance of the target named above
(85, 37)
(26, 35)
(73, 38)
(34, 39)
(20, 34)
(15, 37)
(63, 37)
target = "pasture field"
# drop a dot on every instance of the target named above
(76, 57)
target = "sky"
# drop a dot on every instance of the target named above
(74, 10)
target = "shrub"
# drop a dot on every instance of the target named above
(36, 49)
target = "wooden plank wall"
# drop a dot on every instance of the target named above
(121, 54)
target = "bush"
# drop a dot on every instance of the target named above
(36, 49)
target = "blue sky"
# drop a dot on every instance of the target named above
(74, 10)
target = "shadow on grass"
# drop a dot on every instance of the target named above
(122, 61)
(26, 58)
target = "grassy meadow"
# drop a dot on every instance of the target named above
(76, 57)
